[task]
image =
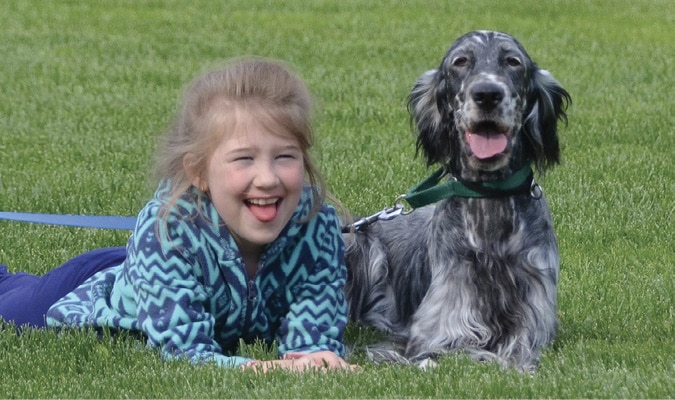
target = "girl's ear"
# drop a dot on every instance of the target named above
(190, 165)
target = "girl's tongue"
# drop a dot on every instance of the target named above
(486, 144)
(264, 211)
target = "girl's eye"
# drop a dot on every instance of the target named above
(287, 156)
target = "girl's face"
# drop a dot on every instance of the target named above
(254, 178)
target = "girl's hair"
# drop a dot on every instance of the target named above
(264, 88)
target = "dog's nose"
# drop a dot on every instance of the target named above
(487, 95)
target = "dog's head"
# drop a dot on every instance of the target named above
(488, 109)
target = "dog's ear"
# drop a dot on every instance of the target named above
(548, 102)
(431, 116)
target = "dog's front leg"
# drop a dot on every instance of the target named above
(446, 319)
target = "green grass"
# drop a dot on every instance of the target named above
(86, 87)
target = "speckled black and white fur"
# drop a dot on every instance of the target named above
(478, 275)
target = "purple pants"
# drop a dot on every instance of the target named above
(25, 298)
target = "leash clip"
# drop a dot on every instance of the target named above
(399, 208)
(390, 213)
(385, 214)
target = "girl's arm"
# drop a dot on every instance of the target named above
(317, 313)
(170, 297)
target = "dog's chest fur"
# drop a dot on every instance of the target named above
(480, 226)
(486, 238)
(488, 221)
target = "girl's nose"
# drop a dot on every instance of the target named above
(266, 176)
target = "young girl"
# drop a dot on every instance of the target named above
(237, 242)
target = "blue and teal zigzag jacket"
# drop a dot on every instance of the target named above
(190, 295)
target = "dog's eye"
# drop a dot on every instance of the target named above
(513, 62)
(460, 62)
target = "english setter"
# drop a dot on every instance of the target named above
(472, 274)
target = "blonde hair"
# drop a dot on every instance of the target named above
(265, 88)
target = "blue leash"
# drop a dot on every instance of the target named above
(80, 221)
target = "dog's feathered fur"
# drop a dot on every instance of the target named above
(478, 275)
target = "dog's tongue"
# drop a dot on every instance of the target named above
(486, 144)
(263, 213)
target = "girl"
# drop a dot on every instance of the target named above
(237, 242)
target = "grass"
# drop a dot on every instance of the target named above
(86, 87)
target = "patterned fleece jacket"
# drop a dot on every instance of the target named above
(189, 292)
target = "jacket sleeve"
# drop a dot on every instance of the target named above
(317, 313)
(170, 295)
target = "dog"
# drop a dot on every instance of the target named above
(477, 275)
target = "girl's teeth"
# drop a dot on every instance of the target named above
(262, 202)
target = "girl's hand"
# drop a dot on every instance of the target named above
(321, 360)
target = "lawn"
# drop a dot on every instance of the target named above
(86, 87)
